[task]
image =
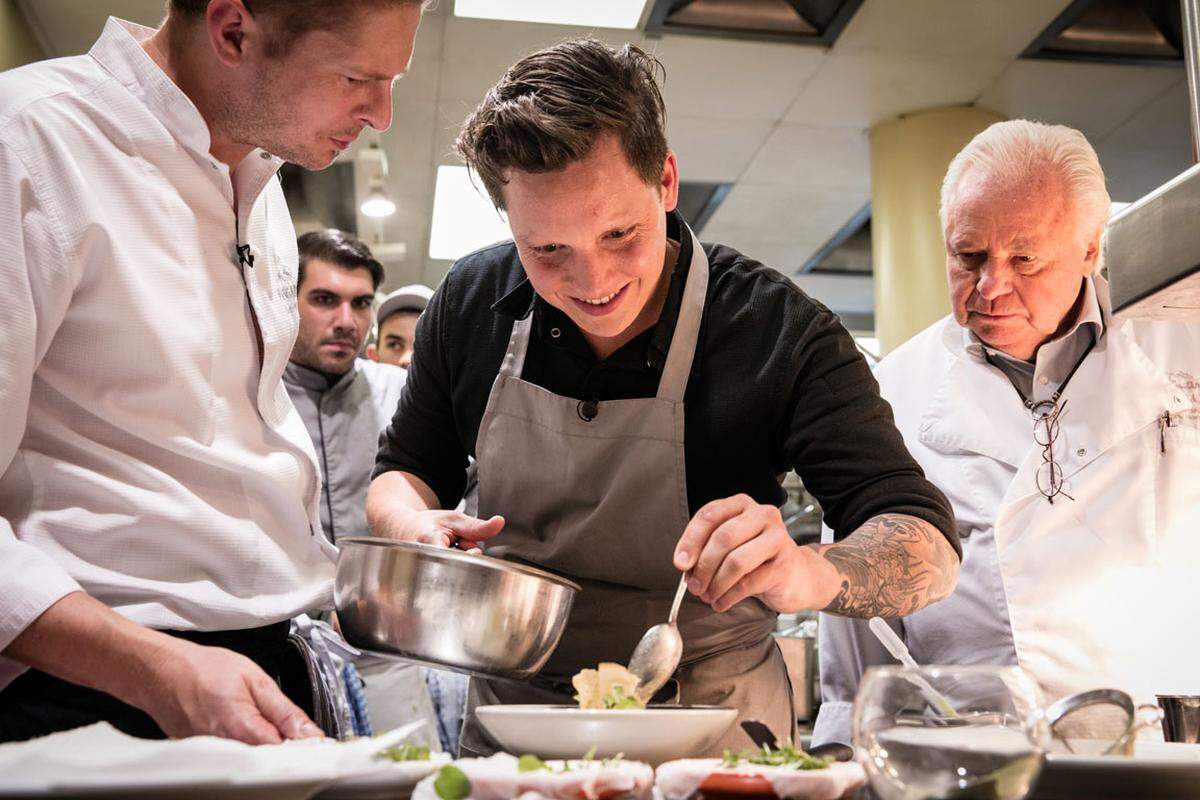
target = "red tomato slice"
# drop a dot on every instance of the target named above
(727, 784)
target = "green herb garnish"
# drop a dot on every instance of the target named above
(783, 756)
(528, 763)
(590, 754)
(452, 783)
(617, 699)
(405, 752)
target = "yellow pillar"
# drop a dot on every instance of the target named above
(909, 157)
(17, 45)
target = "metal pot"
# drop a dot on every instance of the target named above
(468, 613)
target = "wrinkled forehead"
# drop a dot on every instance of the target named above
(1029, 204)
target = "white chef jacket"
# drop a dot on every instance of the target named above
(344, 419)
(1082, 594)
(148, 456)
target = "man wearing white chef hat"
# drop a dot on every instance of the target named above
(1067, 440)
(158, 490)
(631, 398)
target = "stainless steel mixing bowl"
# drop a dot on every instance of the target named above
(470, 613)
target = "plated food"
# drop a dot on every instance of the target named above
(504, 777)
(654, 735)
(786, 773)
(609, 686)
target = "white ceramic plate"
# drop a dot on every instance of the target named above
(392, 782)
(653, 735)
(118, 789)
(1160, 770)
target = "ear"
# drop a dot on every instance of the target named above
(372, 353)
(1091, 258)
(230, 29)
(669, 184)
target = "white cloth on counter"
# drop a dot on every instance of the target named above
(148, 455)
(498, 777)
(679, 780)
(98, 756)
(1084, 593)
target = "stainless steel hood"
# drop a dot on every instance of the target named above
(1152, 247)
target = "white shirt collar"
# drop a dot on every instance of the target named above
(1089, 314)
(119, 50)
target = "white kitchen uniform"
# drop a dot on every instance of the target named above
(1084, 593)
(149, 453)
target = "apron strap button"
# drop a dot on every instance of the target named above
(587, 410)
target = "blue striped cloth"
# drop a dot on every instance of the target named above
(359, 719)
(448, 690)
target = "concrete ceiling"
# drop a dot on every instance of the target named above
(786, 124)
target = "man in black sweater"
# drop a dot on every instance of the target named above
(631, 398)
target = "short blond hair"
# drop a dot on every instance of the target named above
(1020, 149)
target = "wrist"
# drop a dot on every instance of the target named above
(143, 662)
(817, 581)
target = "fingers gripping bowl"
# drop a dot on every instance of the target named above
(465, 612)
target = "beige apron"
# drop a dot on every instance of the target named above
(603, 502)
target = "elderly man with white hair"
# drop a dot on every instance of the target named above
(1068, 442)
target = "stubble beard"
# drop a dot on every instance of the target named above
(262, 116)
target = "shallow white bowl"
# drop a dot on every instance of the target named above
(653, 735)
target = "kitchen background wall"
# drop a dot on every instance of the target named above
(785, 126)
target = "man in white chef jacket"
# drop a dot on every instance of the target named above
(1068, 442)
(158, 490)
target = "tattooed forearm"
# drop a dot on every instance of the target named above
(892, 566)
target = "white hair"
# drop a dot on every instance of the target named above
(1018, 150)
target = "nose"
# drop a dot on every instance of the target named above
(377, 110)
(344, 318)
(589, 274)
(995, 279)
(406, 359)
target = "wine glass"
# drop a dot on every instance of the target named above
(950, 732)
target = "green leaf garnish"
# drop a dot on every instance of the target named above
(452, 783)
(617, 699)
(590, 754)
(528, 763)
(405, 752)
(783, 756)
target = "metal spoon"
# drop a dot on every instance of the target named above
(657, 655)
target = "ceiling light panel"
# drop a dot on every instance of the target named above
(583, 13)
(464, 219)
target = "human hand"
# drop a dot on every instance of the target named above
(440, 528)
(736, 548)
(192, 690)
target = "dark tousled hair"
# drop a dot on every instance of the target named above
(548, 109)
(340, 248)
(294, 18)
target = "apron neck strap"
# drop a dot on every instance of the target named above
(678, 367)
(518, 346)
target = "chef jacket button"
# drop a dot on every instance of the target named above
(1081, 452)
(1043, 380)
(264, 155)
(555, 333)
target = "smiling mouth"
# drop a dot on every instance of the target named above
(601, 304)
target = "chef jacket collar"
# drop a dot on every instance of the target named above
(318, 380)
(523, 300)
(119, 50)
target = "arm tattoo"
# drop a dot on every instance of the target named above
(890, 567)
